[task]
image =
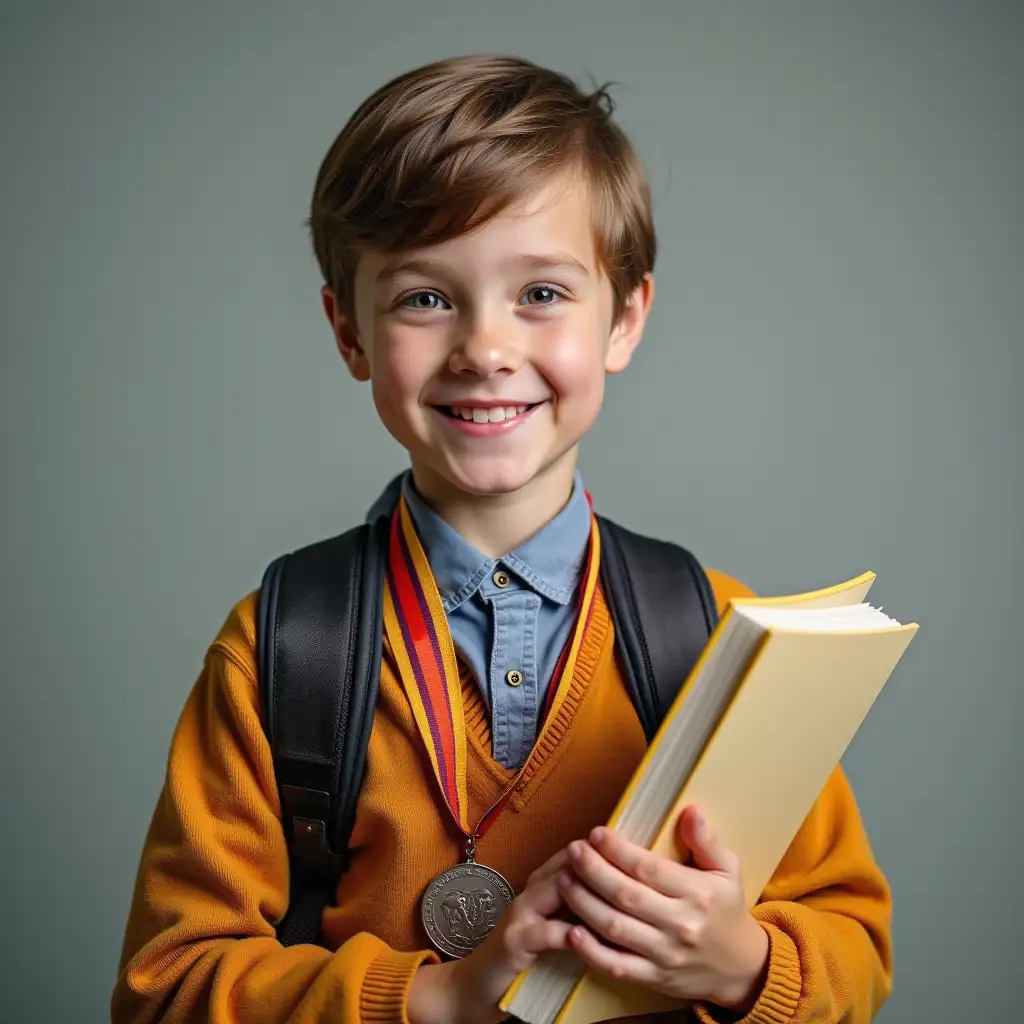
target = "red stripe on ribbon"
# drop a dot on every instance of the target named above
(425, 656)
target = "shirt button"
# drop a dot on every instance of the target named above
(501, 579)
(514, 677)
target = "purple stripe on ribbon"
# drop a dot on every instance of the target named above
(417, 669)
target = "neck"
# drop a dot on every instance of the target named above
(496, 524)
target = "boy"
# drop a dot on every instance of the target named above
(485, 236)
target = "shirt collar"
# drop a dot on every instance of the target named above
(549, 562)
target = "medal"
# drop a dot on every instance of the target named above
(461, 905)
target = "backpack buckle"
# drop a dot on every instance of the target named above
(308, 810)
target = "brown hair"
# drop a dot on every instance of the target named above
(443, 148)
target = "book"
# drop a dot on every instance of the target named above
(753, 736)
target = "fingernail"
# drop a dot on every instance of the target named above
(564, 881)
(576, 850)
(599, 834)
(701, 824)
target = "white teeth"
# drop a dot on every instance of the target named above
(495, 415)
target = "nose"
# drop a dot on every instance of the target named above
(483, 351)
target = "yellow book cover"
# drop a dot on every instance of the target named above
(753, 736)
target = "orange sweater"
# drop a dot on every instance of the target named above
(200, 942)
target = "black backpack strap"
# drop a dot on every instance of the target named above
(318, 658)
(663, 610)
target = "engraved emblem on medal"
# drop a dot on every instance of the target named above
(463, 904)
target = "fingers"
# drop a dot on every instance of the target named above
(541, 935)
(614, 963)
(708, 850)
(619, 889)
(525, 937)
(541, 897)
(529, 928)
(607, 921)
(549, 868)
(652, 871)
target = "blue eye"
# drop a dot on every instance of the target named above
(541, 296)
(425, 301)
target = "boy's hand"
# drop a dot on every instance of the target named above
(467, 991)
(683, 931)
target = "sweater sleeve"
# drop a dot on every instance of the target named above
(827, 911)
(200, 940)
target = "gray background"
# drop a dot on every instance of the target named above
(829, 384)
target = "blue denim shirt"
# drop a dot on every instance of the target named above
(509, 617)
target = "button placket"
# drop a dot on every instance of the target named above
(508, 674)
(499, 692)
(531, 693)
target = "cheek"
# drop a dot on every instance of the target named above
(400, 368)
(572, 358)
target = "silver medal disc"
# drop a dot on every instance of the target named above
(462, 905)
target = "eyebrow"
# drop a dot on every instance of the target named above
(411, 266)
(532, 261)
(552, 261)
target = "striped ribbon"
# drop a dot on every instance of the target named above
(424, 653)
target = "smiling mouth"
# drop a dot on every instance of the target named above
(476, 414)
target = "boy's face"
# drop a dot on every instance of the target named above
(487, 353)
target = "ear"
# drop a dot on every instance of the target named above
(345, 336)
(629, 328)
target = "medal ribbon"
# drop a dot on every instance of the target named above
(421, 643)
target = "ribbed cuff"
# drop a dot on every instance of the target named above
(386, 984)
(778, 999)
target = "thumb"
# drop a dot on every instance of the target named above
(708, 851)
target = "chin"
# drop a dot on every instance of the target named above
(491, 477)
(485, 476)
(491, 481)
